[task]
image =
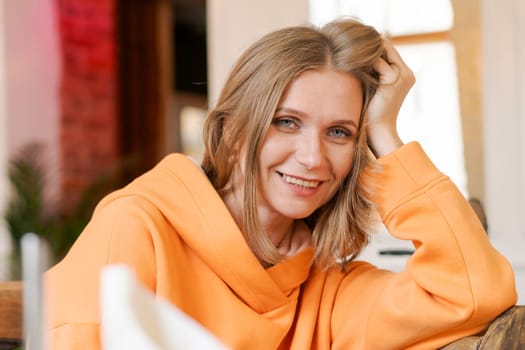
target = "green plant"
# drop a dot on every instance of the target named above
(30, 209)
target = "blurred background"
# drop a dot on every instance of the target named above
(95, 92)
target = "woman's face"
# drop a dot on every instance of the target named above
(309, 148)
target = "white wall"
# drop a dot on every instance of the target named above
(5, 244)
(504, 128)
(29, 75)
(32, 73)
(233, 25)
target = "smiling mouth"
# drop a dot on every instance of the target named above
(299, 182)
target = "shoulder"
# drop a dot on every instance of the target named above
(179, 163)
(174, 180)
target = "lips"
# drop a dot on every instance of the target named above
(300, 182)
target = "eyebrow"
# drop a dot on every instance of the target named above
(302, 114)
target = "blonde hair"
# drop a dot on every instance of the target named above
(244, 112)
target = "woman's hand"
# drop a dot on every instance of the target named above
(396, 79)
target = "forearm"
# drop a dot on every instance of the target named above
(419, 203)
(446, 290)
(383, 140)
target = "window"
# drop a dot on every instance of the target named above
(420, 31)
(392, 17)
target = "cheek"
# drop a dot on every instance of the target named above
(342, 162)
(274, 147)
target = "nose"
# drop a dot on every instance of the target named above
(310, 151)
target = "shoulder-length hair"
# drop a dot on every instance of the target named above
(246, 107)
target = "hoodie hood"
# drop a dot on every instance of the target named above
(180, 190)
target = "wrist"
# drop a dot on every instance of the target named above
(383, 142)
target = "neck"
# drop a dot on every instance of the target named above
(279, 232)
(276, 227)
(286, 240)
(286, 234)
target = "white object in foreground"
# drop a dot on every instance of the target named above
(134, 319)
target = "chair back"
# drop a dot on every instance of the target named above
(506, 332)
(11, 301)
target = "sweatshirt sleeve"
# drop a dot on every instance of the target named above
(117, 233)
(452, 286)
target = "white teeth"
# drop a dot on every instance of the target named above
(299, 182)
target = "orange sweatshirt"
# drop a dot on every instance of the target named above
(173, 229)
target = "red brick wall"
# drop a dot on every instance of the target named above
(89, 119)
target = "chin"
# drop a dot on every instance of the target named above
(297, 214)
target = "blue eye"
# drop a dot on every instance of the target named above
(285, 123)
(339, 133)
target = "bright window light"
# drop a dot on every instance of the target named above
(191, 124)
(431, 113)
(393, 17)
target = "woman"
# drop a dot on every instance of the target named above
(259, 245)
